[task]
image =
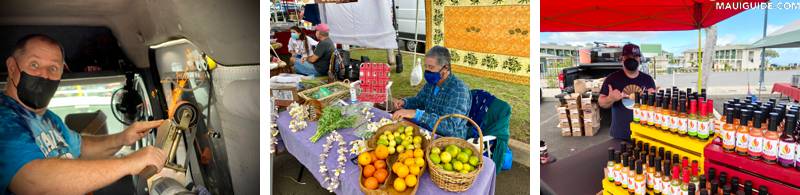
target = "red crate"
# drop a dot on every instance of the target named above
(779, 180)
(374, 78)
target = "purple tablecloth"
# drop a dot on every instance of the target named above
(307, 153)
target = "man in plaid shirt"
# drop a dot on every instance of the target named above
(443, 94)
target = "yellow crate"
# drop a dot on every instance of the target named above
(681, 145)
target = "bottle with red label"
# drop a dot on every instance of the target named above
(743, 134)
(786, 146)
(756, 139)
(770, 152)
(729, 132)
(703, 121)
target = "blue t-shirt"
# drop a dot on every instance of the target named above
(26, 136)
(621, 117)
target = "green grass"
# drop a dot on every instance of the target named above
(515, 94)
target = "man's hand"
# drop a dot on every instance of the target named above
(137, 130)
(148, 156)
(404, 113)
(614, 94)
(398, 103)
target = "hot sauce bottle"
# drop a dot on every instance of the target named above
(625, 169)
(770, 153)
(632, 176)
(651, 171)
(685, 182)
(657, 112)
(636, 112)
(693, 120)
(786, 146)
(712, 124)
(695, 169)
(643, 109)
(657, 176)
(756, 139)
(743, 134)
(722, 120)
(640, 180)
(610, 165)
(683, 119)
(666, 116)
(729, 132)
(703, 120)
(666, 179)
(676, 116)
(617, 168)
(651, 117)
(675, 183)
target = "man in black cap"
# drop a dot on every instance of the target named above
(622, 84)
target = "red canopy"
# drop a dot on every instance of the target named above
(637, 15)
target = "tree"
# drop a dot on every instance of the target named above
(772, 54)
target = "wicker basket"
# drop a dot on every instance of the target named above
(344, 92)
(454, 181)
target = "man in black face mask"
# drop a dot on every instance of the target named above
(38, 153)
(620, 85)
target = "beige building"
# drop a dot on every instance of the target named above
(729, 56)
(560, 50)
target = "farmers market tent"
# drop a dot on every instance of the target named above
(634, 15)
(786, 37)
(362, 23)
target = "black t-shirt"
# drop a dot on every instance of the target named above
(621, 117)
(324, 51)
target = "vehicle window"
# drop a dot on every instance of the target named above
(84, 98)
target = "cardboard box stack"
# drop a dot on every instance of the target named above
(588, 85)
(578, 116)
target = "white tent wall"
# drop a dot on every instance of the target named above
(363, 23)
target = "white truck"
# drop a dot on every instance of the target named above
(411, 16)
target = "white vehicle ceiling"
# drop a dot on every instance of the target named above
(227, 30)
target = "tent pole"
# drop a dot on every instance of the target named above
(699, 59)
(763, 52)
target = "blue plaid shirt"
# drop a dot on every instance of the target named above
(434, 101)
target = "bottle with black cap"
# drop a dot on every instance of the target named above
(666, 178)
(639, 180)
(617, 174)
(657, 176)
(726, 190)
(610, 165)
(762, 190)
(692, 189)
(734, 184)
(625, 169)
(714, 187)
(748, 188)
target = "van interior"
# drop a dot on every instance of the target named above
(134, 60)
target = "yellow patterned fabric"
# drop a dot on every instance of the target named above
(487, 38)
(498, 29)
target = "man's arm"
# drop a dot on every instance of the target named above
(64, 176)
(99, 147)
(459, 103)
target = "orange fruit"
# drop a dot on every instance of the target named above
(381, 152)
(418, 153)
(369, 170)
(400, 185)
(409, 154)
(371, 183)
(374, 158)
(411, 180)
(381, 175)
(380, 164)
(395, 167)
(364, 159)
(402, 171)
(414, 170)
(419, 161)
(409, 161)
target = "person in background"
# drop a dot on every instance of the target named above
(442, 94)
(317, 64)
(620, 85)
(300, 45)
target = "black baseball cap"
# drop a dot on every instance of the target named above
(631, 50)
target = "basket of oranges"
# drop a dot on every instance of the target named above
(374, 171)
(453, 162)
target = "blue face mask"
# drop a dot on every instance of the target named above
(433, 77)
(295, 36)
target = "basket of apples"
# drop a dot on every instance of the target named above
(453, 162)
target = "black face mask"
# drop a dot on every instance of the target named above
(631, 64)
(35, 92)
